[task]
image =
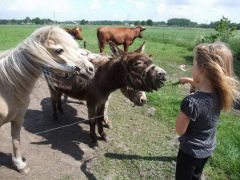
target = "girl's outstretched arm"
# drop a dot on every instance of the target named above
(182, 123)
(188, 80)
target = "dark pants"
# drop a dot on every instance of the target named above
(188, 167)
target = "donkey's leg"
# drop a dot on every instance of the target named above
(16, 156)
(65, 99)
(106, 121)
(92, 123)
(100, 119)
(54, 103)
(59, 102)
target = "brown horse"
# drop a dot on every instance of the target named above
(20, 68)
(119, 35)
(133, 69)
(75, 32)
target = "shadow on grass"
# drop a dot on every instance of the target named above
(83, 167)
(136, 157)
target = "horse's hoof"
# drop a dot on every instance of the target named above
(24, 170)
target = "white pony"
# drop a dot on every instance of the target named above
(20, 68)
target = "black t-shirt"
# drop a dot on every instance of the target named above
(203, 110)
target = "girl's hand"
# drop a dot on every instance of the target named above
(185, 80)
(190, 81)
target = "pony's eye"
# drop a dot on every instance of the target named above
(59, 51)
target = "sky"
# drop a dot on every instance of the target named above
(200, 11)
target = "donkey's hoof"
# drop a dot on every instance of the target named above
(94, 145)
(55, 117)
(109, 126)
(24, 170)
(105, 139)
(61, 111)
(103, 136)
(93, 139)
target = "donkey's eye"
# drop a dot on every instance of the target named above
(59, 51)
(137, 63)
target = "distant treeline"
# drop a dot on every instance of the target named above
(180, 22)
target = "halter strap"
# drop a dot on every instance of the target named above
(149, 67)
(47, 72)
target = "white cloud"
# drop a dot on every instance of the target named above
(161, 8)
(95, 5)
(112, 1)
(38, 5)
(203, 11)
(137, 3)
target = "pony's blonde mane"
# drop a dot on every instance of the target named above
(21, 66)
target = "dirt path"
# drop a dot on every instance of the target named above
(59, 154)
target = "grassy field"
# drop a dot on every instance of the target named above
(144, 146)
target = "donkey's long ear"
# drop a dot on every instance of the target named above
(116, 51)
(141, 48)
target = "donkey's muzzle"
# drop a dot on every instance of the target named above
(160, 77)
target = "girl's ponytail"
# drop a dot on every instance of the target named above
(217, 59)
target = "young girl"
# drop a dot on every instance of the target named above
(196, 123)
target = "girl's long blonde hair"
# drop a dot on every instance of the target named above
(217, 59)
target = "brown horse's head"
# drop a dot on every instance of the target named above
(77, 33)
(139, 31)
(141, 73)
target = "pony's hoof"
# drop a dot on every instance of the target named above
(24, 170)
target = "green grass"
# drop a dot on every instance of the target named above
(143, 146)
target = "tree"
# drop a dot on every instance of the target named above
(27, 20)
(149, 22)
(137, 23)
(224, 31)
(83, 22)
(36, 20)
(179, 22)
(143, 23)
